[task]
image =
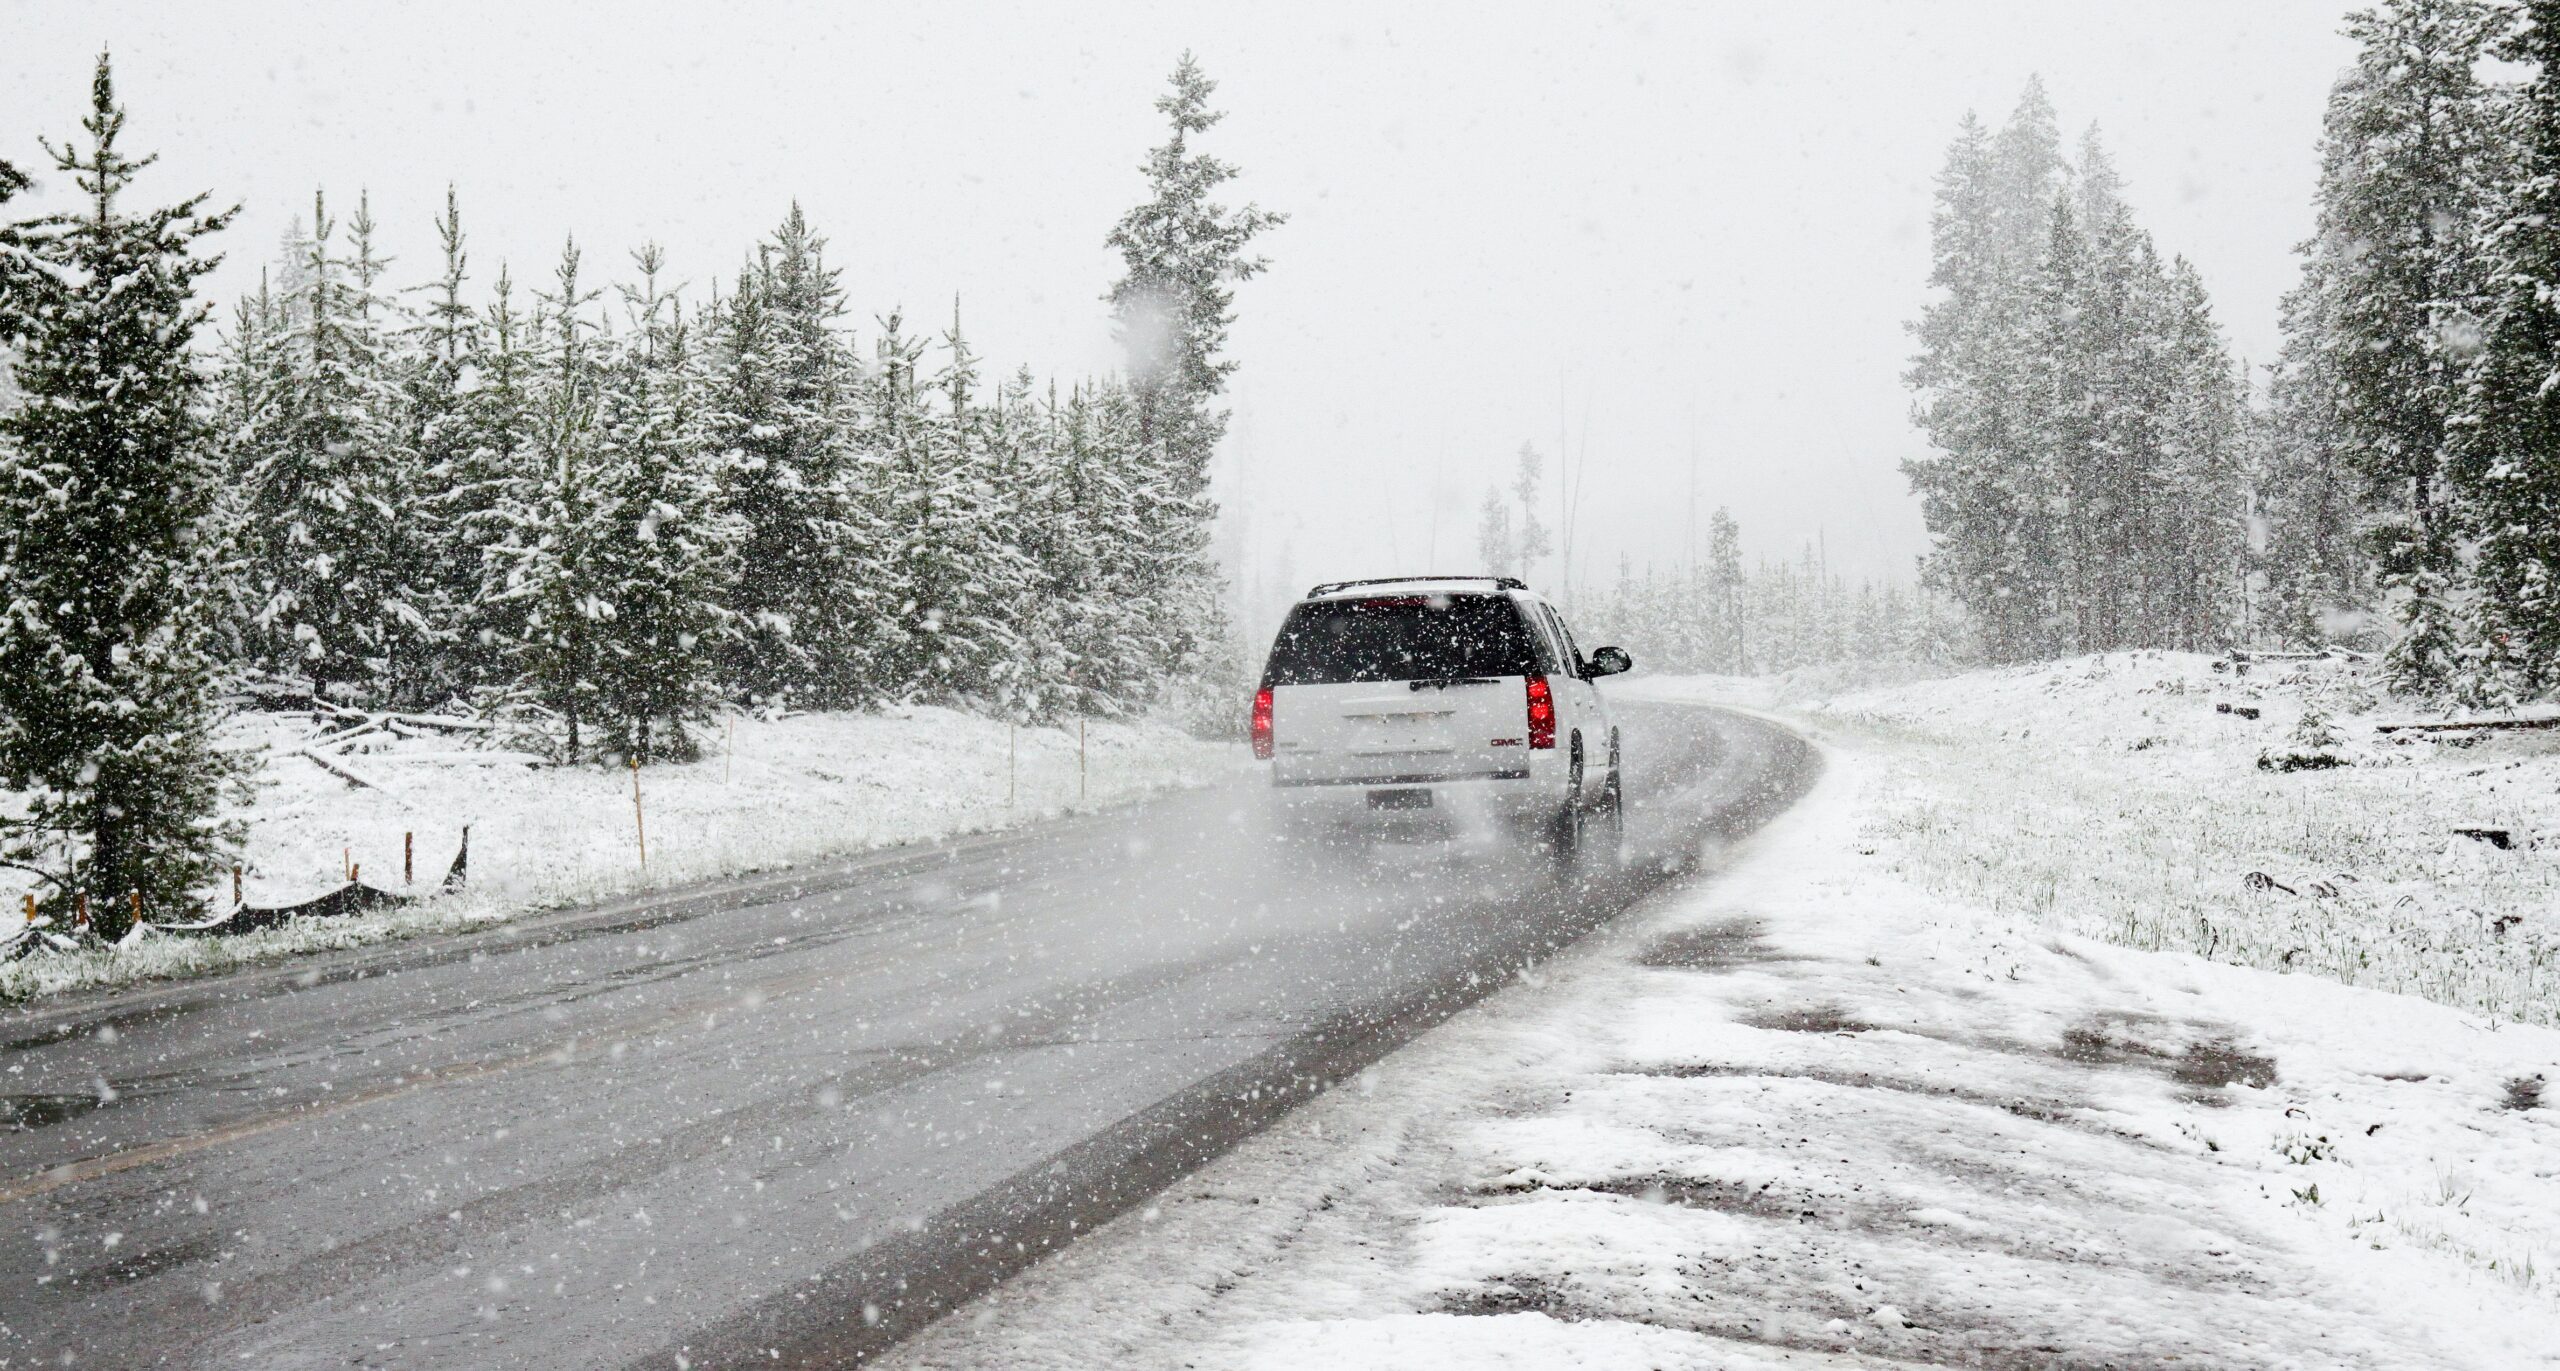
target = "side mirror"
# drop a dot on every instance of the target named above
(1608, 661)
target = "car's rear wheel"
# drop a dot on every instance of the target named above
(1608, 838)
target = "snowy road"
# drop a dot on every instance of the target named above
(770, 1123)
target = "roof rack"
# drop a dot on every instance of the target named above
(1506, 582)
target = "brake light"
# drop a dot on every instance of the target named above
(1542, 713)
(1262, 723)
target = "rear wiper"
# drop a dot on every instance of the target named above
(1444, 682)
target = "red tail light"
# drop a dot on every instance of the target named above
(1542, 713)
(1262, 723)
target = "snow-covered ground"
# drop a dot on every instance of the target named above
(767, 794)
(2113, 796)
(1816, 1112)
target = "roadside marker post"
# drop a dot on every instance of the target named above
(31, 910)
(409, 858)
(639, 819)
(137, 909)
(80, 912)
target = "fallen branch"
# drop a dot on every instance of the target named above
(485, 756)
(2461, 725)
(346, 773)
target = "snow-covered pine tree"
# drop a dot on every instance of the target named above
(1526, 477)
(1990, 230)
(2508, 449)
(245, 374)
(922, 510)
(2410, 154)
(498, 465)
(1728, 649)
(107, 692)
(2309, 501)
(661, 558)
(1182, 253)
(556, 521)
(2196, 540)
(1497, 545)
(783, 412)
(2046, 486)
(459, 479)
(332, 479)
(1108, 639)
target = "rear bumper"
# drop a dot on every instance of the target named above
(1456, 801)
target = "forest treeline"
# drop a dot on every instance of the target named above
(2102, 476)
(592, 499)
(1721, 615)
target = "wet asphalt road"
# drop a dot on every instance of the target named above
(777, 1122)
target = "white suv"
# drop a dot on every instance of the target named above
(1454, 703)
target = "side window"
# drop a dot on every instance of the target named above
(1573, 650)
(1551, 658)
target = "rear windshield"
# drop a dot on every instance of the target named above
(1400, 638)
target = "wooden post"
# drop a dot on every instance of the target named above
(355, 872)
(236, 899)
(639, 819)
(1079, 761)
(31, 910)
(137, 909)
(346, 864)
(409, 858)
(80, 910)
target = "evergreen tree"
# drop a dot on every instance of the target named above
(783, 412)
(1980, 491)
(558, 523)
(661, 557)
(2508, 459)
(107, 691)
(2409, 154)
(1182, 253)
(332, 479)
(2307, 540)
(462, 474)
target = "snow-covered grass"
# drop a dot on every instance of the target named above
(2110, 796)
(768, 794)
(1808, 1114)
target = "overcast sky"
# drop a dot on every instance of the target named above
(1624, 224)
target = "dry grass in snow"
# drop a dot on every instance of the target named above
(2109, 796)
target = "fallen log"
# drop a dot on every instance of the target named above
(2463, 725)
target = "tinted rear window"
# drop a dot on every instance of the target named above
(1400, 638)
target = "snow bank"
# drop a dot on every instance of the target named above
(768, 794)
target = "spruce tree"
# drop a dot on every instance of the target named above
(1182, 253)
(2508, 458)
(661, 557)
(2409, 156)
(107, 691)
(333, 479)
(556, 522)
(783, 411)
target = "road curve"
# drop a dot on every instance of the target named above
(775, 1122)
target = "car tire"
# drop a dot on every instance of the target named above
(1610, 841)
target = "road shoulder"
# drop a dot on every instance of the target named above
(1804, 1114)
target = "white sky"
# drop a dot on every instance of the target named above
(1625, 220)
